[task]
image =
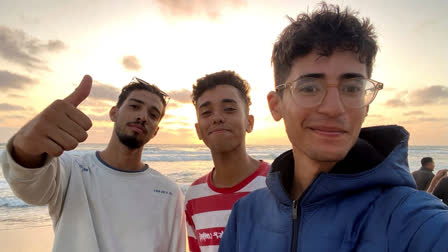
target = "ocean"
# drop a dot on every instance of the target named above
(181, 163)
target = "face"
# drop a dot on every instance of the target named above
(431, 165)
(327, 132)
(137, 120)
(223, 119)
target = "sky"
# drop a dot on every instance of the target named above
(47, 46)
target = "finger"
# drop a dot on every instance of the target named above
(78, 117)
(74, 129)
(81, 92)
(51, 148)
(63, 139)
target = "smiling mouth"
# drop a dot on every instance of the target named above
(329, 132)
(218, 131)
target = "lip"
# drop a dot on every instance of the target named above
(219, 130)
(328, 131)
(137, 127)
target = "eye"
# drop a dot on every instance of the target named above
(133, 106)
(229, 109)
(205, 113)
(307, 87)
(353, 87)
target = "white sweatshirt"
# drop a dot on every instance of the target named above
(97, 208)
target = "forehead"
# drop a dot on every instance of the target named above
(335, 65)
(148, 98)
(220, 93)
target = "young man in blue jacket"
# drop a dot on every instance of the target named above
(340, 188)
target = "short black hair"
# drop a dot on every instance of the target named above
(210, 81)
(139, 84)
(426, 160)
(325, 30)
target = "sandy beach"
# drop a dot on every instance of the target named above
(29, 239)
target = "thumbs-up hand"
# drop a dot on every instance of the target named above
(59, 127)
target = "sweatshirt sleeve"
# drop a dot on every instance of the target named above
(178, 237)
(229, 239)
(39, 186)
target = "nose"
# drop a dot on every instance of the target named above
(142, 116)
(217, 118)
(331, 104)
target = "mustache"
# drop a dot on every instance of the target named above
(141, 123)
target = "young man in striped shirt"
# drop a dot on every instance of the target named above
(222, 106)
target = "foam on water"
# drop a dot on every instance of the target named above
(181, 163)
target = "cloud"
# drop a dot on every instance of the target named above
(212, 9)
(415, 112)
(436, 94)
(16, 96)
(103, 117)
(18, 47)
(106, 92)
(10, 107)
(395, 103)
(131, 63)
(424, 119)
(10, 80)
(181, 95)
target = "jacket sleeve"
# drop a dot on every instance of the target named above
(441, 190)
(178, 234)
(229, 239)
(419, 223)
(40, 186)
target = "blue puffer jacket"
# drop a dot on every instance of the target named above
(368, 202)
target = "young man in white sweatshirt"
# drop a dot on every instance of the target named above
(107, 200)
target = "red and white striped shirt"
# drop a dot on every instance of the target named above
(208, 208)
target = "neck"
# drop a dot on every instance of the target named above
(121, 157)
(305, 171)
(232, 167)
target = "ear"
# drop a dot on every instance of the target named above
(274, 102)
(113, 114)
(198, 131)
(250, 123)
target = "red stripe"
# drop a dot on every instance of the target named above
(200, 180)
(260, 171)
(193, 244)
(213, 203)
(209, 236)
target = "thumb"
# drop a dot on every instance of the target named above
(81, 92)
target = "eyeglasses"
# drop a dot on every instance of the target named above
(165, 97)
(354, 92)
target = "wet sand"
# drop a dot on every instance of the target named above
(29, 239)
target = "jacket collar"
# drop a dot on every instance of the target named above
(379, 158)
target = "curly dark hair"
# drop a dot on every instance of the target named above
(210, 81)
(325, 30)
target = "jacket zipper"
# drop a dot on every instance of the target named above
(295, 224)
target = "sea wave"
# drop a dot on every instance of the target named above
(12, 202)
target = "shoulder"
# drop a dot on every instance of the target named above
(163, 182)
(258, 198)
(199, 188)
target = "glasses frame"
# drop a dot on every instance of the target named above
(165, 96)
(288, 85)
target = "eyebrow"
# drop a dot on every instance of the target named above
(225, 100)
(142, 102)
(321, 76)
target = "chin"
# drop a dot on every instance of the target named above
(327, 153)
